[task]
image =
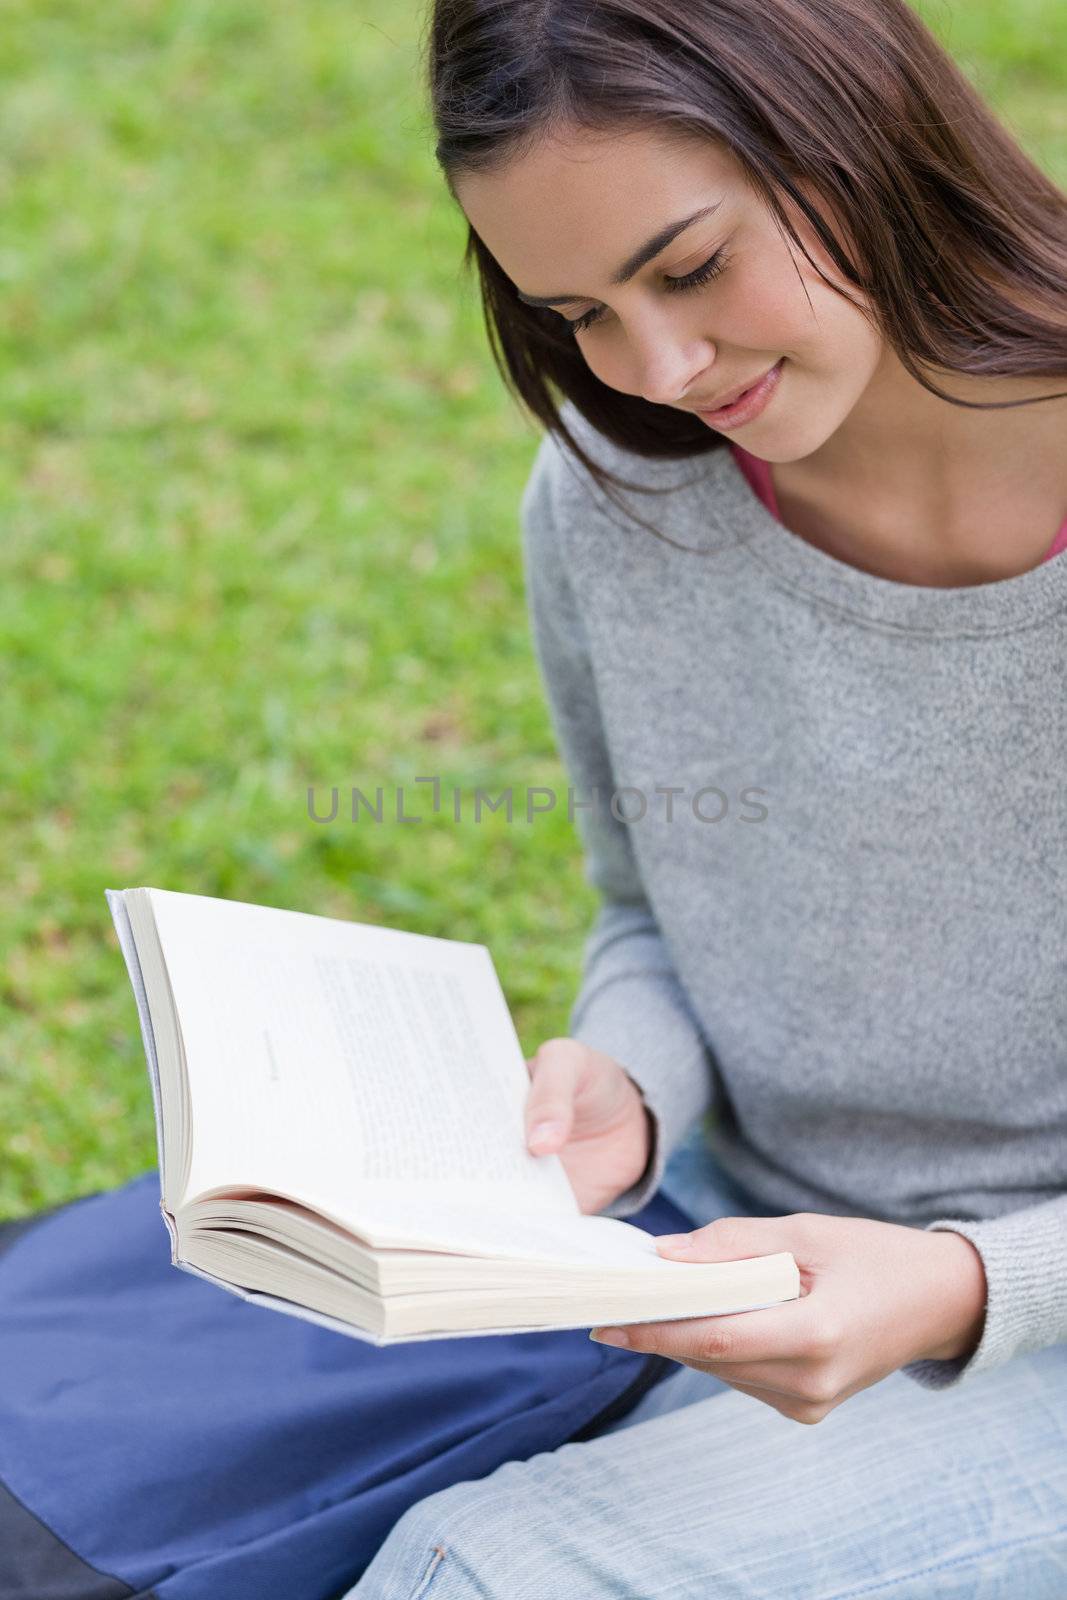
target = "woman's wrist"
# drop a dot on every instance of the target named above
(650, 1135)
(961, 1313)
(643, 1133)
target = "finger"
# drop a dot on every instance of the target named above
(765, 1378)
(791, 1379)
(549, 1113)
(795, 1410)
(754, 1390)
(796, 1330)
(780, 1400)
(800, 1398)
(734, 1239)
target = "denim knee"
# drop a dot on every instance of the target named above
(422, 1559)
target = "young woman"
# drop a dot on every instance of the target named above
(778, 270)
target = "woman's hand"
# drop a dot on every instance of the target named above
(874, 1296)
(584, 1108)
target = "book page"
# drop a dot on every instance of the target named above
(363, 1069)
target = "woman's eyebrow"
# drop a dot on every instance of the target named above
(632, 264)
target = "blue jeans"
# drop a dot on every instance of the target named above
(703, 1493)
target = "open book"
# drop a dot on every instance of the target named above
(340, 1122)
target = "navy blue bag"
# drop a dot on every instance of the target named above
(161, 1439)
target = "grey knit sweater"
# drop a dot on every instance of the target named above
(827, 816)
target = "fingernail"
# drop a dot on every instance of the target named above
(609, 1336)
(544, 1132)
(679, 1243)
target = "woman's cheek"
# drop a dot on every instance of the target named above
(764, 310)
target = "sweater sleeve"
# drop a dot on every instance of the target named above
(630, 1002)
(1025, 1258)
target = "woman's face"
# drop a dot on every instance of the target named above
(564, 219)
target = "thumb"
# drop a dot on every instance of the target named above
(549, 1113)
(730, 1239)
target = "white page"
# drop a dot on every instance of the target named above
(365, 1070)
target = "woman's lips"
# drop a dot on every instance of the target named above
(749, 405)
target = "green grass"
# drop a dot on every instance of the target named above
(259, 489)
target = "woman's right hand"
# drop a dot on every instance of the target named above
(585, 1108)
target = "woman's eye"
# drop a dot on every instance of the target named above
(692, 280)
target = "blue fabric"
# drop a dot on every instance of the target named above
(196, 1446)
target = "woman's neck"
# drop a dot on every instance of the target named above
(913, 488)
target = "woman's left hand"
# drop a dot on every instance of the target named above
(873, 1297)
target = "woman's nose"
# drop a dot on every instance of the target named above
(669, 372)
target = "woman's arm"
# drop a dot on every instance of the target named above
(1024, 1255)
(630, 1003)
(936, 1303)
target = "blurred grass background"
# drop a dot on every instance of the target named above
(259, 488)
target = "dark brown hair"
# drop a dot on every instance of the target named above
(960, 240)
